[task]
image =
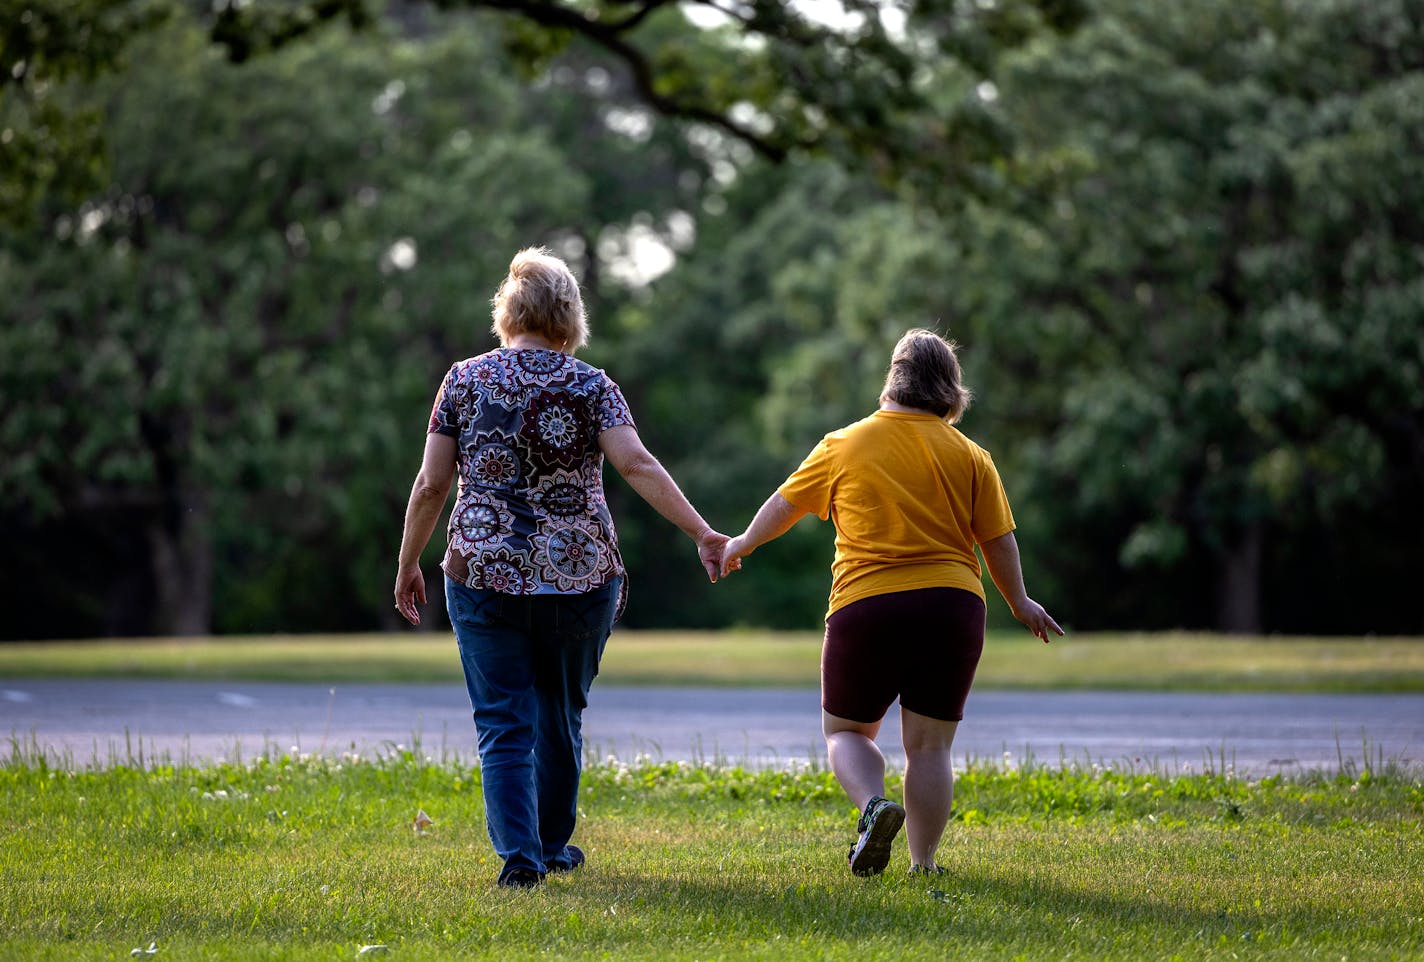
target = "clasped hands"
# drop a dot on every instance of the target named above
(720, 554)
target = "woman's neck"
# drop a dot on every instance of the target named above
(533, 342)
(888, 405)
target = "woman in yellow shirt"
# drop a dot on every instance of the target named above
(910, 497)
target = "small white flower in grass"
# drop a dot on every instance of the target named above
(140, 953)
(421, 822)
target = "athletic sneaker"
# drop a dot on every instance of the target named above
(926, 870)
(878, 826)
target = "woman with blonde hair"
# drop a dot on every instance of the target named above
(533, 577)
(910, 497)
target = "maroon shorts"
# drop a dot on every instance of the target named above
(921, 645)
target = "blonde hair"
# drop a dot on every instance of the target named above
(540, 296)
(925, 374)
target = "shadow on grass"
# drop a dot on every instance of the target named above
(970, 909)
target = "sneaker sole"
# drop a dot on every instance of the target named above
(874, 855)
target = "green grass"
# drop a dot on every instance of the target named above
(1168, 661)
(311, 859)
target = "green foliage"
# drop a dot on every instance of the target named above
(285, 259)
(52, 145)
(250, 29)
(1189, 299)
(1180, 244)
(1217, 273)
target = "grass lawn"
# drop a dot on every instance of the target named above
(1165, 661)
(314, 859)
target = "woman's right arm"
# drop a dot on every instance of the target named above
(1002, 556)
(422, 511)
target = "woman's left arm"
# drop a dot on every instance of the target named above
(643, 472)
(427, 498)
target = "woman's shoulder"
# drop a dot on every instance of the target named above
(865, 425)
(475, 360)
(976, 450)
(949, 438)
(553, 366)
(586, 373)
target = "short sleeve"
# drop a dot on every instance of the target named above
(443, 417)
(613, 409)
(809, 487)
(991, 516)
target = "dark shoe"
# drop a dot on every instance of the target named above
(575, 857)
(521, 878)
(926, 870)
(878, 826)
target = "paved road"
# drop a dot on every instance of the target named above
(99, 722)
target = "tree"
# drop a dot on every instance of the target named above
(799, 289)
(1186, 302)
(1204, 294)
(769, 77)
(1180, 246)
(284, 258)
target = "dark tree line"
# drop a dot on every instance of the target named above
(1180, 243)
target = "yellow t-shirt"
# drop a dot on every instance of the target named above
(910, 496)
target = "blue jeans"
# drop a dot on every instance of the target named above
(529, 661)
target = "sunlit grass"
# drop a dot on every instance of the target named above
(1166, 661)
(312, 859)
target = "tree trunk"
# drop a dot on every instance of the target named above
(181, 553)
(1238, 609)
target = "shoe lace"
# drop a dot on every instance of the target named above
(868, 816)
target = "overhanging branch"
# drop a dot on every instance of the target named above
(611, 36)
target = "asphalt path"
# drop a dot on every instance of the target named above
(102, 722)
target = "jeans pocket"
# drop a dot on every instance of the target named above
(475, 609)
(588, 616)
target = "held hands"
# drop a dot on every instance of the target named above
(709, 551)
(732, 554)
(721, 555)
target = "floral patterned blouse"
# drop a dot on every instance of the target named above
(530, 515)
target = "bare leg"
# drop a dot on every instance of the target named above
(855, 758)
(929, 783)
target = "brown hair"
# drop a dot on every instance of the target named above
(540, 296)
(924, 373)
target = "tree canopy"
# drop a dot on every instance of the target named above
(770, 75)
(1180, 244)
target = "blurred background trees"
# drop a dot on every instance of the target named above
(1181, 245)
